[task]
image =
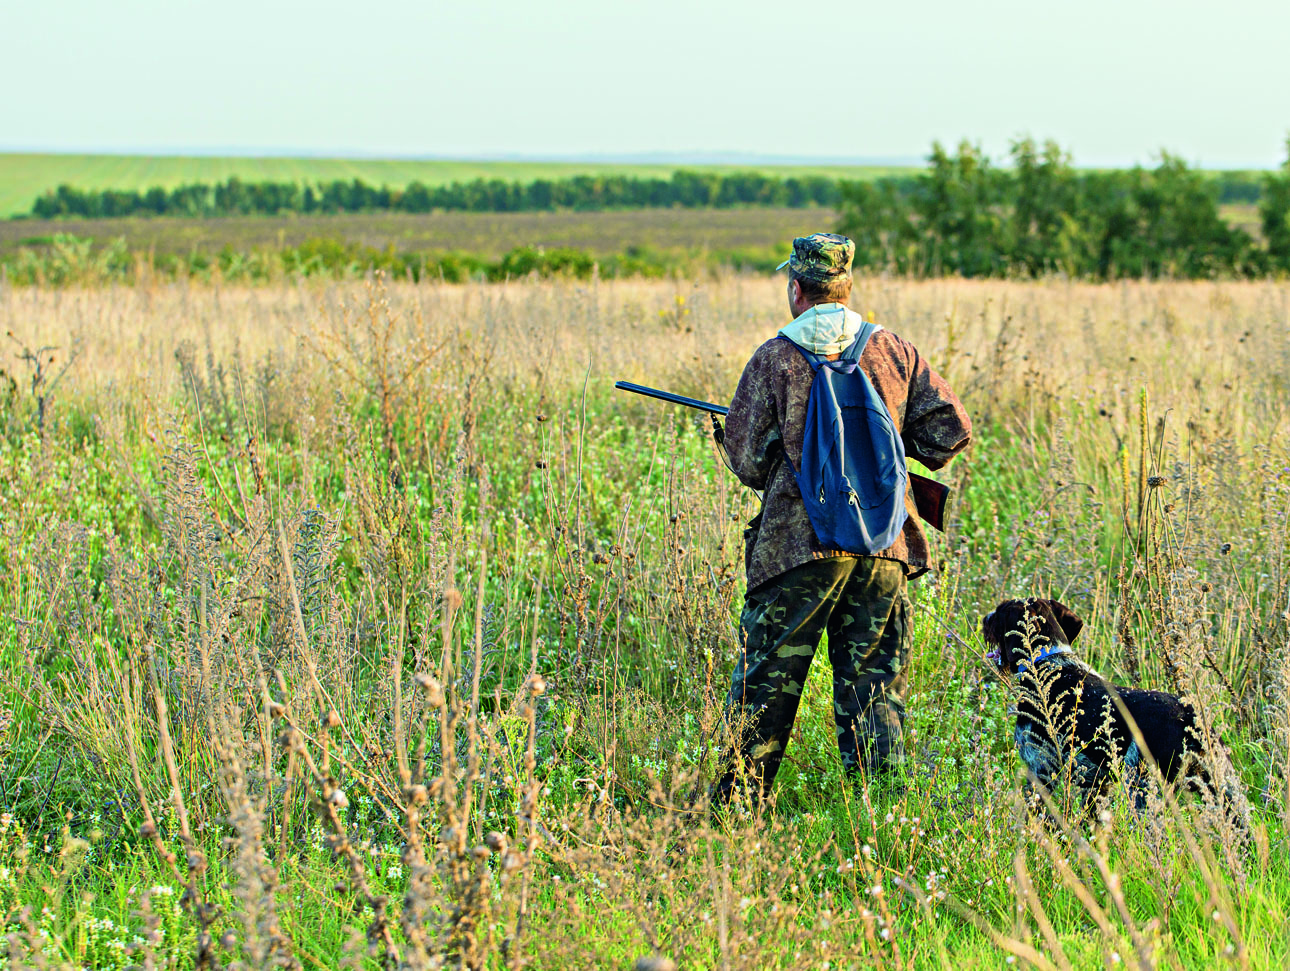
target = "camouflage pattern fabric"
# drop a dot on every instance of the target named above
(768, 418)
(820, 257)
(863, 604)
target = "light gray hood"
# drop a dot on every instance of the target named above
(826, 328)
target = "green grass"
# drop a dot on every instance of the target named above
(23, 177)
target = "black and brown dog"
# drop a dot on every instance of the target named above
(1068, 718)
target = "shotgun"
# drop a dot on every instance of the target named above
(930, 496)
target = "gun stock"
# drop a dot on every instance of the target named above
(930, 496)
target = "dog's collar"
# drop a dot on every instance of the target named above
(1045, 654)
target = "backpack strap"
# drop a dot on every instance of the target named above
(852, 354)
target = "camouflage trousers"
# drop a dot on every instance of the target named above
(863, 604)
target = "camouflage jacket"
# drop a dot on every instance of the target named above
(768, 415)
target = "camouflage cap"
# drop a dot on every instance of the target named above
(820, 257)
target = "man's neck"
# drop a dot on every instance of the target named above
(822, 305)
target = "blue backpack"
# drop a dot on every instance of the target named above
(853, 476)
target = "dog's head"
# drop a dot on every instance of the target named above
(1016, 629)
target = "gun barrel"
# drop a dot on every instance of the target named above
(676, 399)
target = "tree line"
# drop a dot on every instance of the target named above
(580, 192)
(685, 189)
(1037, 215)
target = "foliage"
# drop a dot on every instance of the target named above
(1274, 211)
(967, 217)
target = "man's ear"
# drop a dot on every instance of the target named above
(1070, 623)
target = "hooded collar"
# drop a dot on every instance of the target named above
(826, 328)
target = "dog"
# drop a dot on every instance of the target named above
(1068, 717)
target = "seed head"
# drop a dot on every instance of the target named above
(415, 795)
(496, 841)
(339, 799)
(432, 688)
(655, 962)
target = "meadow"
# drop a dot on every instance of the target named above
(362, 623)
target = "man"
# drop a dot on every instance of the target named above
(798, 588)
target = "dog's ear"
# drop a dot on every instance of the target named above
(1070, 622)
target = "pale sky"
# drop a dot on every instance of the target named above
(1113, 81)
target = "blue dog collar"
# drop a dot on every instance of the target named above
(1045, 654)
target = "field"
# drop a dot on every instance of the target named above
(366, 625)
(484, 234)
(23, 177)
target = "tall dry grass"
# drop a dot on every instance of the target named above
(387, 633)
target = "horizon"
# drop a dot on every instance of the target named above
(644, 159)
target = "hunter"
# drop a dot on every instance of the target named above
(799, 588)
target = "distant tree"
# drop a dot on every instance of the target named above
(1044, 229)
(1274, 214)
(878, 217)
(959, 205)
